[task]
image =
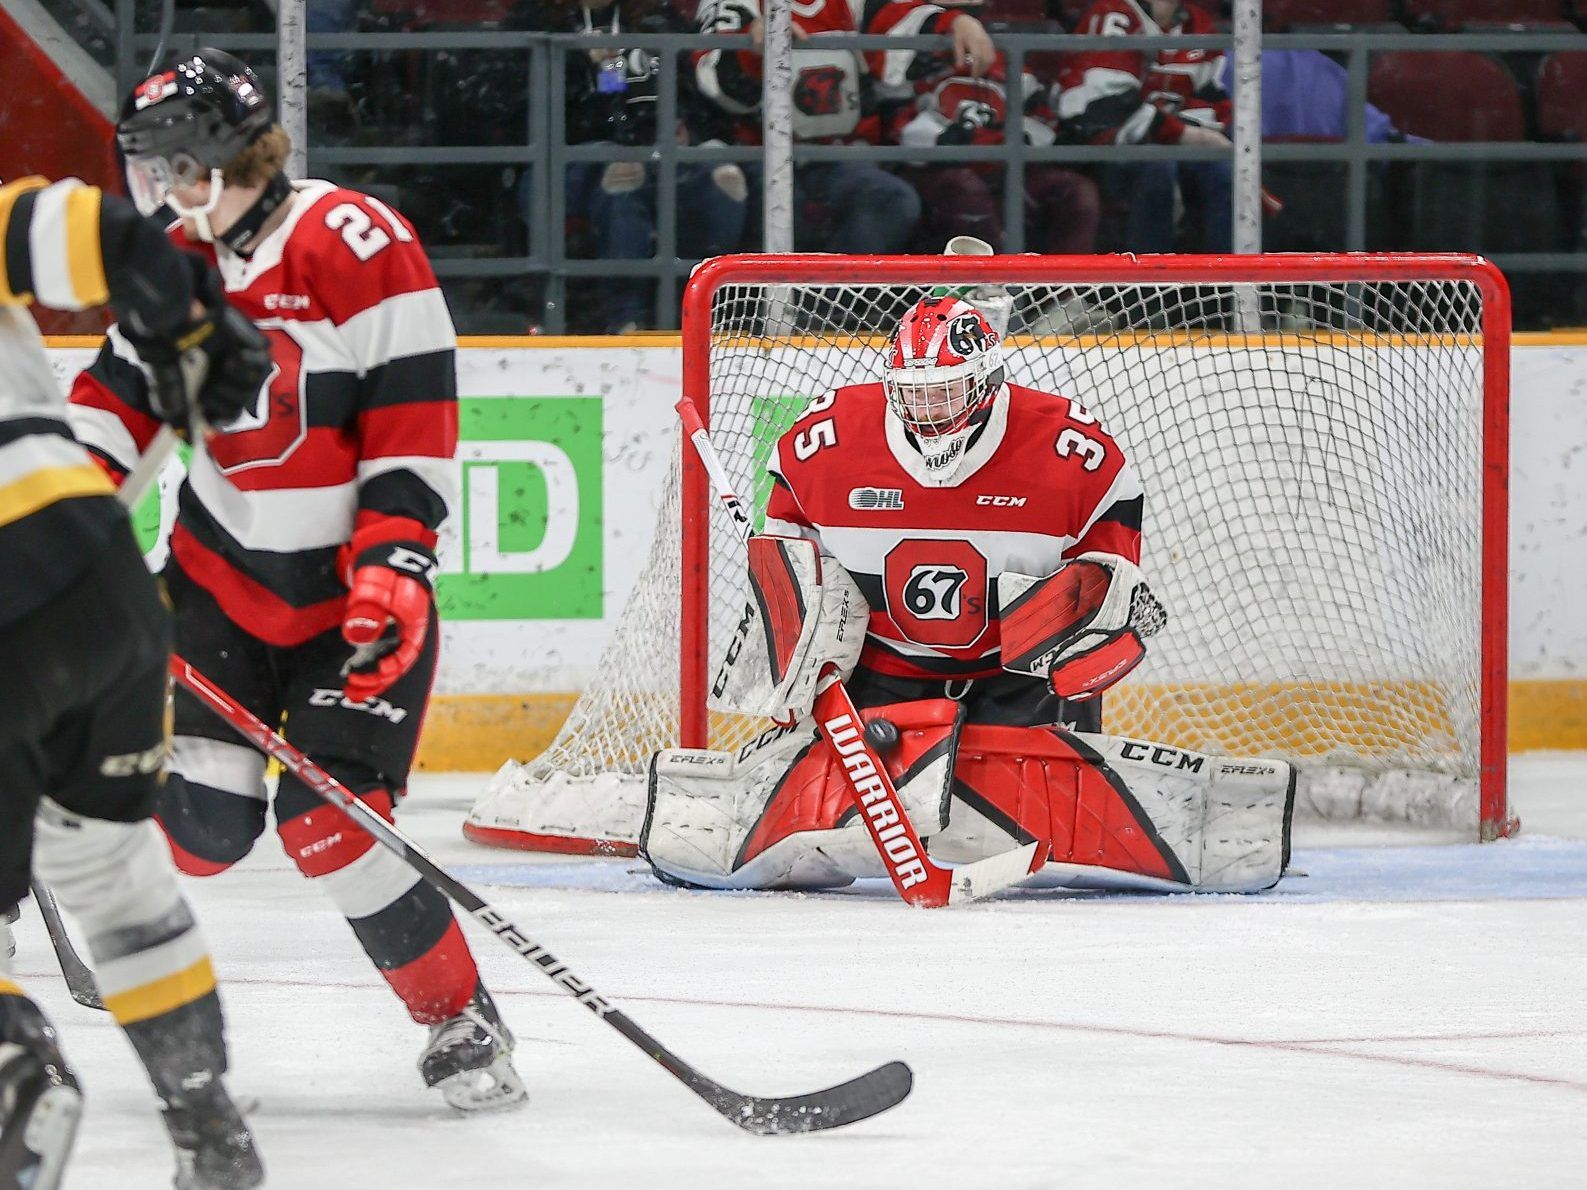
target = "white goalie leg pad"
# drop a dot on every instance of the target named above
(1224, 822)
(1226, 818)
(806, 613)
(117, 880)
(776, 815)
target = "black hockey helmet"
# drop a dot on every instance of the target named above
(185, 122)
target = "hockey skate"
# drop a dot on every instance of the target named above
(40, 1106)
(214, 1148)
(469, 1057)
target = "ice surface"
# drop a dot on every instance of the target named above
(1397, 1016)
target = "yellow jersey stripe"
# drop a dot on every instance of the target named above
(163, 995)
(25, 496)
(84, 253)
(7, 988)
(9, 194)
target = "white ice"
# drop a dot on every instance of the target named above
(1395, 1016)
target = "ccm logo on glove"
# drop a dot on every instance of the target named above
(387, 616)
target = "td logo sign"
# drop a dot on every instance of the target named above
(526, 542)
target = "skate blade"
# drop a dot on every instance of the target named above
(51, 1128)
(496, 1087)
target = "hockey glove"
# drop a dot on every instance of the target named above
(1083, 627)
(214, 365)
(387, 616)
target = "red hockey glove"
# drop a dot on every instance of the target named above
(1082, 628)
(388, 613)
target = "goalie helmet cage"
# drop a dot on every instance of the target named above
(1323, 442)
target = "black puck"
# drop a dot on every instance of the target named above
(881, 734)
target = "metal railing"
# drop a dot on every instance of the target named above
(546, 156)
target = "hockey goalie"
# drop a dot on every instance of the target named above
(963, 552)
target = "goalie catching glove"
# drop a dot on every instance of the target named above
(810, 615)
(1081, 628)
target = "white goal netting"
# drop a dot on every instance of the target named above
(1312, 455)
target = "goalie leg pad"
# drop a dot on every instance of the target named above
(779, 814)
(1119, 812)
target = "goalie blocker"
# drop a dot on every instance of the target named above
(1117, 813)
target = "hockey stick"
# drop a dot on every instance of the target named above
(858, 1099)
(918, 880)
(79, 979)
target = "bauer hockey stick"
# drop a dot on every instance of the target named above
(918, 880)
(858, 1099)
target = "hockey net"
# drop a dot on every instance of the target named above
(1322, 441)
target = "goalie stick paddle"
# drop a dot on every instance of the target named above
(918, 880)
(847, 1103)
(79, 979)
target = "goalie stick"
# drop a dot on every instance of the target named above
(858, 1099)
(918, 880)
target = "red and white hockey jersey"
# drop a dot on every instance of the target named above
(1128, 96)
(837, 94)
(952, 108)
(1042, 482)
(355, 431)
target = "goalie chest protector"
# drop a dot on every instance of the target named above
(1043, 482)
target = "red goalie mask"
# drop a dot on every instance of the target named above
(944, 366)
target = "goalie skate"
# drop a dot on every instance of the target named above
(40, 1106)
(469, 1059)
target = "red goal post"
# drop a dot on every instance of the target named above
(1323, 443)
(1125, 270)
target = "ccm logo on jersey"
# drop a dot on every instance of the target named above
(1169, 758)
(128, 763)
(877, 499)
(1002, 501)
(378, 707)
(286, 301)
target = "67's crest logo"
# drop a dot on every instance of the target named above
(937, 592)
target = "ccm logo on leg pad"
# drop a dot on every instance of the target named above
(378, 707)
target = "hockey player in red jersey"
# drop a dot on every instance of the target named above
(964, 551)
(302, 558)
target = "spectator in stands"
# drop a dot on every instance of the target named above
(1304, 98)
(611, 97)
(1062, 207)
(839, 98)
(1166, 97)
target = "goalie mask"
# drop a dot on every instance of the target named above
(944, 370)
(181, 127)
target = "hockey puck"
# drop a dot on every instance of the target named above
(881, 734)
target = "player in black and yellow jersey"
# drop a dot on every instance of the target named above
(84, 638)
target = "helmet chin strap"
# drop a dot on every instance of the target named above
(200, 215)
(240, 237)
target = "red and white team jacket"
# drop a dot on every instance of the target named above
(1042, 482)
(1127, 97)
(355, 432)
(838, 94)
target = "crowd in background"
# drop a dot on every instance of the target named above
(960, 96)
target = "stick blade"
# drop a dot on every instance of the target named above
(847, 1103)
(972, 882)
